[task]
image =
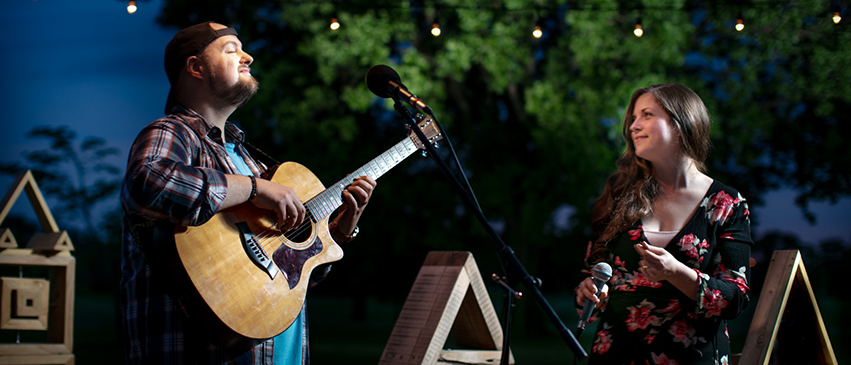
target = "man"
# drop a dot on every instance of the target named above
(183, 169)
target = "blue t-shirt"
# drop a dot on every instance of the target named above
(289, 344)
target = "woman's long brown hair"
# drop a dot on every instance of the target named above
(630, 191)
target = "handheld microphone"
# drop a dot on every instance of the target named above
(385, 82)
(601, 272)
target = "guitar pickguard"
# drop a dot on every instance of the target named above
(291, 261)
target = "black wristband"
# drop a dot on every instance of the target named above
(253, 188)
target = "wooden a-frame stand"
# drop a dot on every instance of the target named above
(448, 298)
(787, 302)
(36, 303)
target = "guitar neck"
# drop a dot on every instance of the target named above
(324, 203)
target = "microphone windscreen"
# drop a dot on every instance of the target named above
(378, 79)
(602, 271)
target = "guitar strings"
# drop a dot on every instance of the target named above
(306, 225)
(273, 233)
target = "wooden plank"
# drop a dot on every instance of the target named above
(420, 315)
(446, 314)
(787, 298)
(35, 260)
(49, 300)
(50, 242)
(61, 317)
(448, 298)
(772, 302)
(17, 314)
(809, 318)
(38, 359)
(13, 193)
(489, 331)
(7, 239)
(16, 252)
(20, 349)
(25, 180)
(477, 357)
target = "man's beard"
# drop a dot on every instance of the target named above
(236, 95)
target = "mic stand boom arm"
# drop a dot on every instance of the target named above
(507, 253)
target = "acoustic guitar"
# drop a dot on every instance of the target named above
(246, 279)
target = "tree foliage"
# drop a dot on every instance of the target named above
(536, 122)
(78, 175)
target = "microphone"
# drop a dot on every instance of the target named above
(385, 82)
(601, 272)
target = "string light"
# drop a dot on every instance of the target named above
(638, 31)
(435, 27)
(537, 32)
(435, 30)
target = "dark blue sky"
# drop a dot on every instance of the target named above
(93, 67)
(88, 65)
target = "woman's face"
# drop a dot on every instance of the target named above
(653, 135)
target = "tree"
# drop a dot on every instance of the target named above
(77, 175)
(536, 122)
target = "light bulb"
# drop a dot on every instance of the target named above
(335, 24)
(537, 33)
(435, 30)
(638, 32)
(836, 18)
(740, 25)
(131, 7)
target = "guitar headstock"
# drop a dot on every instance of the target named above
(430, 130)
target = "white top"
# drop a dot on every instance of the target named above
(660, 238)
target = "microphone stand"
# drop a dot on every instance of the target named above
(531, 283)
(510, 295)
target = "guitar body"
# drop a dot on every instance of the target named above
(240, 293)
(238, 278)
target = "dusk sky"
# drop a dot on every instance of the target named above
(93, 67)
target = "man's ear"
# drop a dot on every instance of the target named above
(195, 67)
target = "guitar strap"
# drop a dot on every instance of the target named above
(269, 161)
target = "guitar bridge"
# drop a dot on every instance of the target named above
(256, 252)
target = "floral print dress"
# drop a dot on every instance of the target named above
(652, 322)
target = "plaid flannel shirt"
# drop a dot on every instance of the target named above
(176, 176)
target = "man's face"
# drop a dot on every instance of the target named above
(230, 77)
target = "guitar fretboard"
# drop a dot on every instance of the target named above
(324, 203)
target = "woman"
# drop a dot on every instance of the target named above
(678, 241)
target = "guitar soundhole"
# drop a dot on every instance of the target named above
(301, 233)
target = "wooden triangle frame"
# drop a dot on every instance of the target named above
(48, 250)
(447, 298)
(7, 239)
(787, 298)
(52, 239)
